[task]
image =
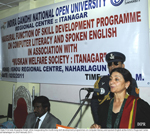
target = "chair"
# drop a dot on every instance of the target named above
(22, 105)
(9, 113)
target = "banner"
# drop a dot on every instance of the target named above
(66, 43)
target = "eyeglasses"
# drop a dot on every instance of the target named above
(115, 63)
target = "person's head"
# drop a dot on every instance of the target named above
(120, 80)
(41, 105)
(115, 60)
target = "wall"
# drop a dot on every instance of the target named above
(64, 111)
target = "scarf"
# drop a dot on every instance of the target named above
(127, 113)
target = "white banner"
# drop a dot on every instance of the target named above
(66, 43)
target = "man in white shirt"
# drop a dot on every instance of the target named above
(41, 117)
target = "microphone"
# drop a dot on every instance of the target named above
(100, 90)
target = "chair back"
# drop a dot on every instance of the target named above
(9, 112)
(20, 113)
(22, 105)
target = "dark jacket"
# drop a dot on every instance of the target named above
(50, 121)
(142, 119)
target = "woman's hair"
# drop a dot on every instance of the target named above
(43, 100)
(126, 75)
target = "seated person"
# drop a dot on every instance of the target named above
(41, 117)
(114, 60)
(123, 110)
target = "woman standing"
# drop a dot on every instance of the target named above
(124, 110)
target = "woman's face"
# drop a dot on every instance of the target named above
(117, 83)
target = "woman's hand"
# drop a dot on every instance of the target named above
(95, 126)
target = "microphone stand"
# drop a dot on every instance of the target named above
(86, 97)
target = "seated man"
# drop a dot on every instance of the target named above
(114, 60)
(41, 117)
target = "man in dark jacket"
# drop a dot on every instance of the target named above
(41, 117)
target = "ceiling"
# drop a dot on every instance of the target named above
(5, 4)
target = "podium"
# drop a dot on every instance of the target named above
(62, 127)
